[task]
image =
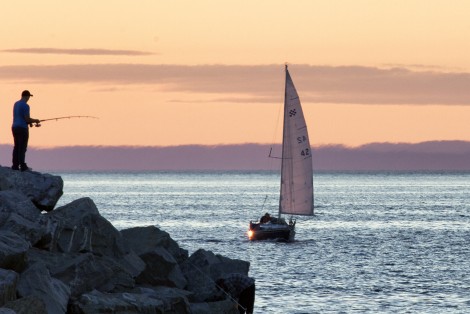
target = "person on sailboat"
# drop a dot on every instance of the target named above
(241, 288)
(265, 219)
(21, 120)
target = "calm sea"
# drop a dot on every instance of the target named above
(379, 242)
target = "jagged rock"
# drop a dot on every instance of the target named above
(174, 300)
(8, 282)
(227, 266)
(145, 239)
(98, 302)
(226, 306)
(161, 269)
(73, 260)
(12, 201)
(37, 281)
(19, 215)
(27, 305)
(13, 250)
(203, 268)
(84, 272)
(153, 246)
(44, 190)
(79, 227)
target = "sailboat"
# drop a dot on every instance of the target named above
(296, 192)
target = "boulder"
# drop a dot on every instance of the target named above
(27, 305)
(13, 250)
(160, 254)
(83, 272)
(78, 227)
(98, 302)
(161, 269)
(145, 239)
(174, 300)
(203, 268)
(19, 215)
(226, 306)
(37, 281)
(12, 201)
(8, 282)
(44, 190)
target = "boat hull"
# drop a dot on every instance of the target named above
(269, 231)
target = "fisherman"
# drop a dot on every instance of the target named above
(21, 120)
(241, 288)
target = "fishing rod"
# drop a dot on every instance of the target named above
(38, 124)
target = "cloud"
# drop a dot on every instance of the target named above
(237, 83)
(81, 52)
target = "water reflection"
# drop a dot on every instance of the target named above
(379, 243)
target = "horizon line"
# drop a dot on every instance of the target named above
(247, 143)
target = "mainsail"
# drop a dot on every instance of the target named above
(296, 171)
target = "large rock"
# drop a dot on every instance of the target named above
(19, 215)
(146, 239)
(78, 227)
(98, 302)
(13, 250)
(27, 305)
(203, 268)
(8, 282)
(174, 300)
(36, 281)
(44, 190)
(12, 201)
(160, 254)
(226, 306)
(161, 269)
(84, 272)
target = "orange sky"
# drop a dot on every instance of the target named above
(211, 72)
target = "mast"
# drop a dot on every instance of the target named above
(283, 137)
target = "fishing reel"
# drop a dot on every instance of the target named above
(37, 124)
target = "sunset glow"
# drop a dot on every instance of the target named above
(161, 73)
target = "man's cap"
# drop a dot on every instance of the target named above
(26, 93)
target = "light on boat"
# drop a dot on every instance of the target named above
(250, 234)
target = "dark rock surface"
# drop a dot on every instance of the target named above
(72, 260)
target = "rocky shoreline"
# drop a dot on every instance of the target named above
(71, 259)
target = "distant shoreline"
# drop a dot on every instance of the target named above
(429, 156)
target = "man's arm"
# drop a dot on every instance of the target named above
(30, 120)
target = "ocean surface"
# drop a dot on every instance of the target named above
(378, 243)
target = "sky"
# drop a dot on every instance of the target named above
(211, 72)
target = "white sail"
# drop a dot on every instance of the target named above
(296, 171)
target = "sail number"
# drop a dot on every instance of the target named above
(301, 139)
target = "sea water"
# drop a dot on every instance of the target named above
(378, 243)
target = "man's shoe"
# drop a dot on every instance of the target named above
(25, 168)
(15, 167)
